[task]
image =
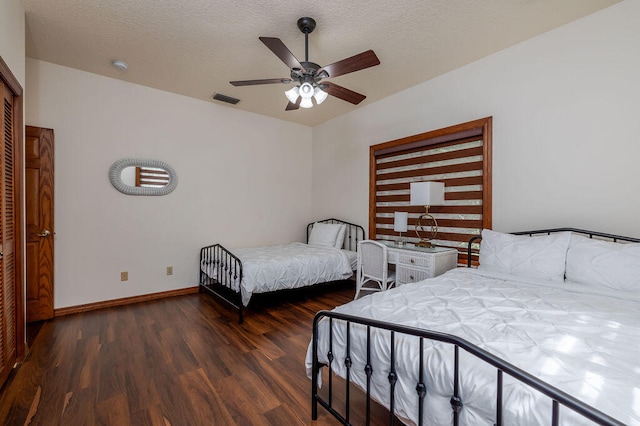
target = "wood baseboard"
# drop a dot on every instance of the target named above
(124, 301)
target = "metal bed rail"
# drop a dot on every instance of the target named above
(221, 275)
(558, 397)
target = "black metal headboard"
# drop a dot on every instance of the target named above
(591, 234)
(353, 234)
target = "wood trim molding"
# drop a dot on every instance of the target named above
(124, 301)
(487, 178)
(372, 191)
(458, 131)
(9, 79)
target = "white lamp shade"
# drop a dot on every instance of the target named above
(427, 194)
(400, 221)
(306, 91)
(306, 103)
(292, 94)
(320, 95)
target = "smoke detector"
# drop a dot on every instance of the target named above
(119, 65)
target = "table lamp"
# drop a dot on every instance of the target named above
(426, 194)
(400, 224)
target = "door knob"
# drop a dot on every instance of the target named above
(44, 233)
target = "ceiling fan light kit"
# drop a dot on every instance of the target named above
(308, 75)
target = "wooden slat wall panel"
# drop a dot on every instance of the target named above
(471, 209)
(450, 155)
(463, 164)
(470, 223)
(426, 173)
(471, 180)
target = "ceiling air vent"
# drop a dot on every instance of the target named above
(225, 98)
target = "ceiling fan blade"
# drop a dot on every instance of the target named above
(355, 63)
(291, 106)
(343, 93)
(277, 46)
(263, 81)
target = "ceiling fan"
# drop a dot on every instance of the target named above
(310, 75)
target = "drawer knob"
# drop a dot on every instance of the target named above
(412, 262)
(410, 277)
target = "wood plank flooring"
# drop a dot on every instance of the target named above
(177, 361)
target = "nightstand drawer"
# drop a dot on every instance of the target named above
(413, 260)
(408, 275)
(419, 263)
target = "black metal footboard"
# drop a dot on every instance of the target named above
(221, 275)
(559, 398)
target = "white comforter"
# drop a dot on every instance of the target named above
(288, 266)
(584, 342)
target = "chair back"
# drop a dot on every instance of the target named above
(372, 259)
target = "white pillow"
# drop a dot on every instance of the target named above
(340, 238)
(541, 257)
(608, 264)
(324, 234)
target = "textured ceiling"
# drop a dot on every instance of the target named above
(195, 47)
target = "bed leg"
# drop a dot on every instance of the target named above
(240, 317)
(314, 405)
(315, 369)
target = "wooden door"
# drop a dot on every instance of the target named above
(39, 222)
(8, 302)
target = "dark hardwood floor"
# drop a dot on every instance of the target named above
(177, 361)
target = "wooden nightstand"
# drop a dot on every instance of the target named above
(419, 263)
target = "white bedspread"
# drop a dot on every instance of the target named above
(288, 266)
(583, 342)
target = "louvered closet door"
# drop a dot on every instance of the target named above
(7, 242)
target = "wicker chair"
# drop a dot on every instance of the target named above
(373, 268)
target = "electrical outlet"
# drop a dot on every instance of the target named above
(169, 270)
(124, 276)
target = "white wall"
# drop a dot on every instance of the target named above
(12, 37)
(243, 180)
(566, 132)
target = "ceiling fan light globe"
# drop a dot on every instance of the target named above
(292, 94)
(306, 91)
(306, 103)
(320, 95)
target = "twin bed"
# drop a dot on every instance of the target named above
(234, 276)
(545, 331)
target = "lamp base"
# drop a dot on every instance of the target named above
(424, 243)
(431, 231)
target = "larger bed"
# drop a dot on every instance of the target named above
(511, 342)
(234, 276)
